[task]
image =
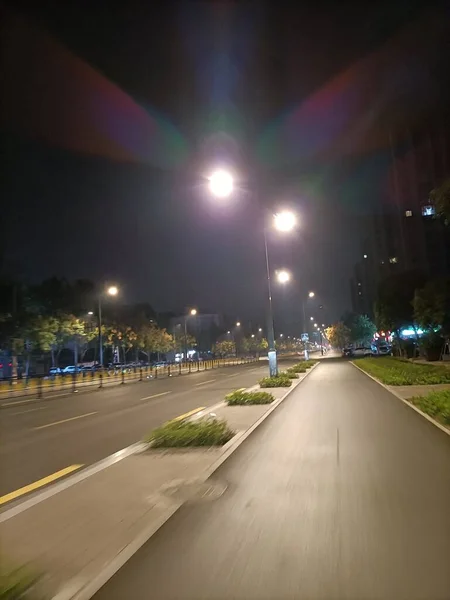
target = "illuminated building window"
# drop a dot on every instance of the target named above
(408, 213)
(393, 260)
(428, 210)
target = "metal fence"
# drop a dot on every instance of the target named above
(39, 386)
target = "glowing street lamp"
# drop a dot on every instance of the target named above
(285, 220)
(238, 324)
(191, 313)
(260, 329)
(311, 318)
(283, 276)
(311, 295)
(221, 184)
(112, 290)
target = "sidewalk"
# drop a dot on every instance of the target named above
(342, 494)
(72, 535)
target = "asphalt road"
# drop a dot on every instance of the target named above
(42, 437)
(342, 493)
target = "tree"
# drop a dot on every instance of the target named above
(181, 340)
(441, 198)
(121, 336)
(151, 338)
(225, 348)
(362, 329)
(432, 305)
(338, 335)
(394, 303)
(77, 334)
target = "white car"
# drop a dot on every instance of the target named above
(71, 369)
(361, 351)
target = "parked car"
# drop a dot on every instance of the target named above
(361, 351)
(55, 371)
(347, 352)
(381, 349)
(71, 369)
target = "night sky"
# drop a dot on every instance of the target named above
(113, 117)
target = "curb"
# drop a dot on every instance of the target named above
(76, 590)
(410, 404)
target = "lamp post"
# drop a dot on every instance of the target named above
(310, 295)
(192, 313)
(111, 291)
(221, 185)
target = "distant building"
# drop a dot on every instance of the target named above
(404, 234)
(205, 327)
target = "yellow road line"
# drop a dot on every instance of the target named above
(66, 420)
(203, 382)
(156, 395)
(37, 484)
(189, 414)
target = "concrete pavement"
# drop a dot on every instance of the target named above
(342, 493)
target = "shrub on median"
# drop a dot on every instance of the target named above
(273, 382)
(241, 397)
(182, 434)
(392, 371)
(435, 404)
(291, 373)
(299, 368)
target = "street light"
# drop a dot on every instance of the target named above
(238, 324)
(283, 276)
(192, 313)
(112, 290)
(315, 325)
(90, 313)
(260, 329)
(311, 295)
(285, 221)
(221, 184)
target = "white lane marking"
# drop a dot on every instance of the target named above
(22, 412)
(18, 402)
(155, 395)
(235, 374)
(66, 420)
(205, 382)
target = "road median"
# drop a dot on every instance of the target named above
(80, 536)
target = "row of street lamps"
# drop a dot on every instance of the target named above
(221, 185)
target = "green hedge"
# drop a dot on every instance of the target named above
(435, 404)
(273, 382)
(290, 373)
(392, 371)
(203, 432)
(241, 397)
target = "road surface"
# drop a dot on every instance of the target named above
(41, 438)
(343, 493)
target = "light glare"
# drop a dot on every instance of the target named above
(283, 276)
(221, 184)
(113, 290)
(285, 221)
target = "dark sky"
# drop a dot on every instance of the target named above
(114, 115)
